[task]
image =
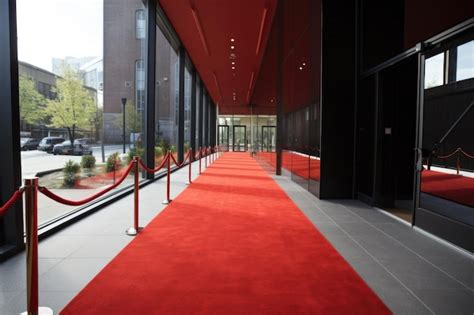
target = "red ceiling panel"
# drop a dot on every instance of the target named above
(206, 28)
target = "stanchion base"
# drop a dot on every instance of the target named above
(166, 202)
(41, 311)
(132, 231)
(187, 183)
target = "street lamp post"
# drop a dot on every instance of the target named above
(124, 102)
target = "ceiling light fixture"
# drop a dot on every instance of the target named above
(200, 31)
(304, 63)
(233, 62)
(233, 68)
(301, 68)
(260, 35)
(232, 40)
(232, 47)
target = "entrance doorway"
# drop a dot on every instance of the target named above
(223, 137)
(239, 138)
(268, 138)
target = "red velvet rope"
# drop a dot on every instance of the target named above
(184, 161)
(466, 154)
(156, 169)
(45, 191)
(14, 198)
(458, 150)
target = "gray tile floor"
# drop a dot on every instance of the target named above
(409, 270)
(412, 273)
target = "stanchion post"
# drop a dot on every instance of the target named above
(168, 180)
(135, 229)
(205, 156)
(200, 158)
(458, 163)
(191, 154)
(31, 211)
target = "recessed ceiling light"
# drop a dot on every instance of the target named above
(232, 47)
(233, 62)
(232, 40)
(233, 68)
(301, 68)
(304, 63)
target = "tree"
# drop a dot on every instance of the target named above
(73, 107)
(31, 102)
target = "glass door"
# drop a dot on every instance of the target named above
(223, 137)
(239, 138)
(268, 138)
(445, 166)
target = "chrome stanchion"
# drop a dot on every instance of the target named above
(135, 229)
(31, 211)
(168, 180)
(191, 154)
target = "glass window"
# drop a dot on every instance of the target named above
(465, 61)
(140, 84)
(434, 71)
(187, 109)
(166, 102)
(140, 19)
(198, 102)
(67, 71)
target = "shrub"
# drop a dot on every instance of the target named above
(88, 161)
(70, 171)
(71, 167)
(158, 152)
(112, 162)
(140, 152)
(164, 144)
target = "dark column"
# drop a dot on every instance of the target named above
(206, 119)
(149, 126)
(214, 124)
(193, 110)
(182, 55)
(11, 224)
(338, 73)
(279, 88)
(201, 115)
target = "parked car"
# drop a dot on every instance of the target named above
(78, 149)
(87, 141)
(47, 144)
(28, 144)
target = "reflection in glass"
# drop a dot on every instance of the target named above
(434, 71)
(465, 61)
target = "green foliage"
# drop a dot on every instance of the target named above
(113, 161)
(140, 152)
(31, 102)
(74, 108)
(165, 145)
(70, 171)
(88, 161)
(133, 119)
(158, 152)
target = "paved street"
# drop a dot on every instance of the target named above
(36, 161)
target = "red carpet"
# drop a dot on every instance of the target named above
(231, 243)
(449, 186)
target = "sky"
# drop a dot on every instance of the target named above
(58, 28)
